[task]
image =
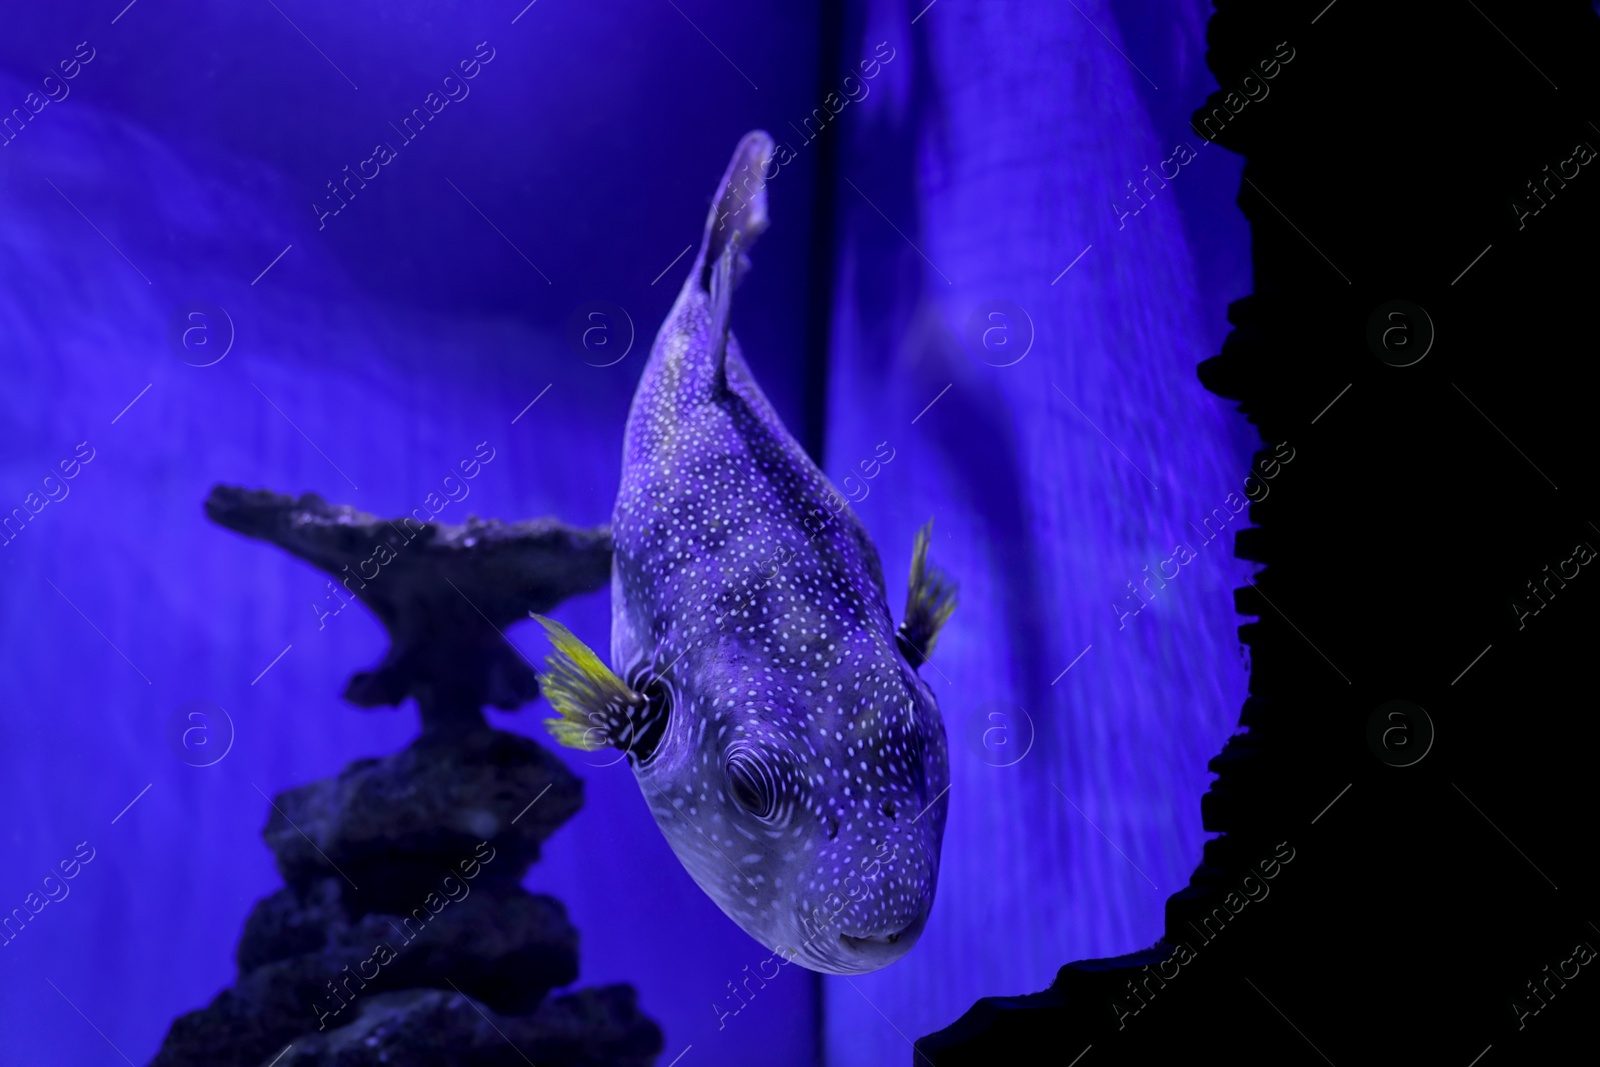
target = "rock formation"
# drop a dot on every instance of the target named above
(403, 935)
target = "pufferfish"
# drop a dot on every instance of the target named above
(769, 707)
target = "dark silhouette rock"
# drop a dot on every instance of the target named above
(234, 1030)
(506, 950)
(426, 1028)
(506, 946)
(445, 593)
(395, 826)
(291, 922)
(404, 894)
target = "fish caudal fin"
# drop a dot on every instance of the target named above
(721, 308)
(930, 599)
(739, 214)
(594, 704)
(738, 217)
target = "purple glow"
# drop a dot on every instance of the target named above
(378, 351)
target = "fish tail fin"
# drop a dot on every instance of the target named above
(722, 275)
(739, 214)
(591, 701)
(737, 218)
(930, 600)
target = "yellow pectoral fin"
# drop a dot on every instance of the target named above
(930, 600)
(592, 702)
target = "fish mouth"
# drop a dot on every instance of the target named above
(887, 946)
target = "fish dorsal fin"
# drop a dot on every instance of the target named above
(595, 707)
(930, 599)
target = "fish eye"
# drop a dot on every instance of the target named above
(659, 694)
(650, 722)
(750, 783)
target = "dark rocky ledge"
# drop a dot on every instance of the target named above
(426, 1028)
(395, 826)
(445, 593)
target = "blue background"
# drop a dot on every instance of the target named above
(986, 156)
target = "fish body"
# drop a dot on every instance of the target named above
(770, 708)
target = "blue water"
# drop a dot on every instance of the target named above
(183, 163)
